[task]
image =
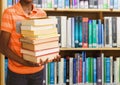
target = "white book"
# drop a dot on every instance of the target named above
(61, 72)
(63, 31)
(102, 55)
(111, 69)
(71, 71)
(34, 28)
(86, 4)
(110, 31)
(118, 32)
(68, 33)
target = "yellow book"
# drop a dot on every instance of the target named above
(40, 22)
(39, 32)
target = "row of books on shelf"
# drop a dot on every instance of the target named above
(100, 4)
(97, 4)
(84, 32)
(83, 70)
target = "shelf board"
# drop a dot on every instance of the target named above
(88, 49)
(79, 10)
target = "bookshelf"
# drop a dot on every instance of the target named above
(2, 7)
(91, 13)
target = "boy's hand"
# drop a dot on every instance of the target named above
(57, 58)
(30, 64)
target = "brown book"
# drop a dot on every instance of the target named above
(37, 59)
(40, 46)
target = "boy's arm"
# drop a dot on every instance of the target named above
(4, 49)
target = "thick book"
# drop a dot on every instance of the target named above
(40, 46)
(29, 27)
(39, 22)
(40, 52)
(39, 32)
(37, 59)
(36, 41)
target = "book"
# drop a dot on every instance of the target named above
(38, 40)
(39, 32)
(40, 46)
(29, 27)
(37, 59)
(40, 52)
(39, 22)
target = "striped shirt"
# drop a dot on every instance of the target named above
(11, 22)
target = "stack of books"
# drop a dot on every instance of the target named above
(40, 39)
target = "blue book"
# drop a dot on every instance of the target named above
(74, 71)
(83, 66)
(99, 33)
(107, 60)
(67, 3)
(111, 4)
(94, 70)
(64, 70)
(76, 32)
(55, 3)
(115, 4)
(60, 4)
(102, 35)
(6, 68)
(52, 71)
(9, 3)
(87, 70)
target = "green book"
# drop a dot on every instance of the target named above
(94, 34)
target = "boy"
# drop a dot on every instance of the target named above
(20, 72)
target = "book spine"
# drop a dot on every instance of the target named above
(55, 4)
(67, 70)
(90, 34)
(52, 71)
(108, 70)
(94, 34)
(68, 33)
(72, 32)
(64, 70)
(76, 33)
(118, 32)
(74, 71)
(99, 71)
(114, 31)
(94, 71)
(67, 4)
(80, 32)
(83, 67)
(71, 71)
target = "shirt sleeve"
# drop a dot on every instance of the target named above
(7, 21)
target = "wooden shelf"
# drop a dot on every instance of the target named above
(91, 49)
(79, 10)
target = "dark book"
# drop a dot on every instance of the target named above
(114, 31)
(99, 70)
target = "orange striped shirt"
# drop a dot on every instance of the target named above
(11, 22)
